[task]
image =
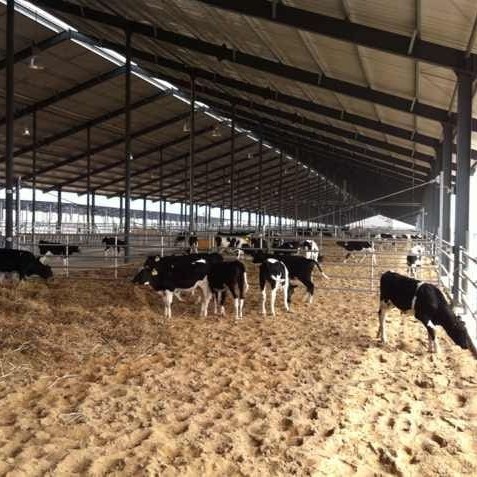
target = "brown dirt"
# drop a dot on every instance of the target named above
(93, 382)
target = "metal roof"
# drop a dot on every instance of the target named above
(360, 88)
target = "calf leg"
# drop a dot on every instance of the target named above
(310, 288)
(264, 298)
(285, 296)
(431, 336)
(273, 296)
(382, 321)
(348, 255)
(167, 297)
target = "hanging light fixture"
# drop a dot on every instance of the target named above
(26, 132)
(186, 127)
(34, 65)
(216, 131)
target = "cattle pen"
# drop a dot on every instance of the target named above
(160, 156)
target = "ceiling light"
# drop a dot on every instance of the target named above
(216, 131)
(34, 65)
(186, 127)
(26, 131)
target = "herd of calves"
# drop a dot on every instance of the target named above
(172, 275)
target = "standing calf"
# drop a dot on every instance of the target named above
(427, 303)
(275, 273)
(229, 275)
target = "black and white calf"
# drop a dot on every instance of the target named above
(275, 273)
(235, 243)
(229, 275)
(23, 263)
(427, 303)
(300, 269)
(168, 261)
(414, 260)
(311, 249)
(112, 243)
(171, 281)
(363, 247)
(57, 249)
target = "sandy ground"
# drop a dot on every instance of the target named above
(94, 382)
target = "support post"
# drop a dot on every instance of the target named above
(260, 182)
(59, 212)
(191, 154)
(295, 192)
(9, 107)
(280, 193)
(121, 212)
(464, 132)
(144, 213)
(88, 179)
(232, 169)
(446, 155)
(18, 208)
(93, 209)
(127, 147)
(33, 191)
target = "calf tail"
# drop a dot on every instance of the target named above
(321, 270)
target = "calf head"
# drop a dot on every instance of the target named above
(40, 269)
(144, 276)
(258, 256)
(457, 331)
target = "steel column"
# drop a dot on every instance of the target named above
(464, 132)
(18, 207)
(232, 169)
(280, 193)
(295, 192)
(59, 212)
(93, 209)
(446, 155)
(127, 148)
(88, 179)
(10, 109)
(144, 213)
(33, 191)
(260, 180)
(191, 154)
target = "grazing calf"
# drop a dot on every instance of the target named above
(300, 269)
(414, 260)
(57, 249)
(193, 242)
(110, 243)
(170, 282)
(229, 275)
(428, 305)
(361, 246)
(24, 263)
(275, 273)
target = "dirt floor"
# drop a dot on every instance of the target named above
(93, 381)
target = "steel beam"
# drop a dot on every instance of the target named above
(9, 136)
(37, 47)
(59, 211)
(33, 186)
(98, 79)
(114, 143)
(88, 124)
(233, 55)
(351, 32)
(88, 178)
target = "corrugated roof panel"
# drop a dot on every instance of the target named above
(448, 22)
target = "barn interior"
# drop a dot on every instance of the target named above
(309, 116)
